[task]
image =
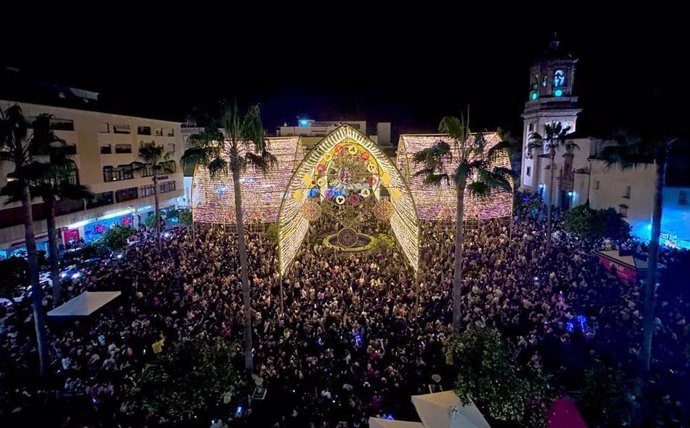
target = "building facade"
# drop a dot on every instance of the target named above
(103, 148)
(580, 175)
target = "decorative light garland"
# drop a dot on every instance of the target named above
(440, 202)
(293, 224)
(213, 198)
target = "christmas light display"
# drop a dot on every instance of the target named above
(346, 168)
(439, 202)
(213, 198)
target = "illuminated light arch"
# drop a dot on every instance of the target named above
(293, 226)
(213, 198)
(440, 203)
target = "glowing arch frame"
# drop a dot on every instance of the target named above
(293, 226)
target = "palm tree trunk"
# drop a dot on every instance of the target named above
(457, 263)
(157, 211)
(653, 256)
(52, 244)
(36, 291)
(549, 226)
(244, 266)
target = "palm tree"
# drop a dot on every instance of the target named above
(52, 181)
(629, 152)
(554, 137)
(473, 175)
(158, 161)
(15, 141)
(241, 140)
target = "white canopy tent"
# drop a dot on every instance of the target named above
(443, 410)
(387, 423)
(84, 304)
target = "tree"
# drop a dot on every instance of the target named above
(605, 399)
(596, 224)
(15, 141)
(224, 144)
(628, 152)
(490, 375)
(157, 161)
(554, 137)
(190, 379)
(474, 175)
(116, 237)
(185, 217)
(51, 181)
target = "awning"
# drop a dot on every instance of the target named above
(443, 410)
(84, 304)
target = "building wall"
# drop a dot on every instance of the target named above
(609, 189)
(91, 131)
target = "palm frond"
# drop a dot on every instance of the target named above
(478, 188)
(13, 191)
(435, 179)
(217, 166)
(433, 155)
(455, 127)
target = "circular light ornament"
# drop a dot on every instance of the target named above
(365, 193)
(322, 182)
(383, 210)
(340, 200)
(558, 92)
(352, 150)
(311, 210)
(307, 179)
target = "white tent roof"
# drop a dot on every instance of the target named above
(443, 410)
(84, 304)
(387, 423)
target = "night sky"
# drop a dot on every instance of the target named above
(410, 67)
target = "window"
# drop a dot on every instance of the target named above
(171, 147)
(144, 130)
(168, 186)
(531, 127)
(104, 128)
(121, 172)
(145, 191)
(596, 185)
(61, 124)
(171, 133)
(101, 199)
(107, 173)
(106, 149)
(126, 194)
(682, 198)
(143, 144)
(626, 195)
(623, 210)
(123, 148)
(159, 132)
(121, 129)
(529, 171)
(147, 171)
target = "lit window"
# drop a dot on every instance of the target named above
(528, 172)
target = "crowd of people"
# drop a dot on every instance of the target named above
(341, 337)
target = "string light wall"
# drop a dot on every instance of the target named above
(439, 202)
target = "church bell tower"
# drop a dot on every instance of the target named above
(551, 99)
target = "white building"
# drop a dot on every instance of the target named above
(313, 128)
(580, 175)
(104, 146)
